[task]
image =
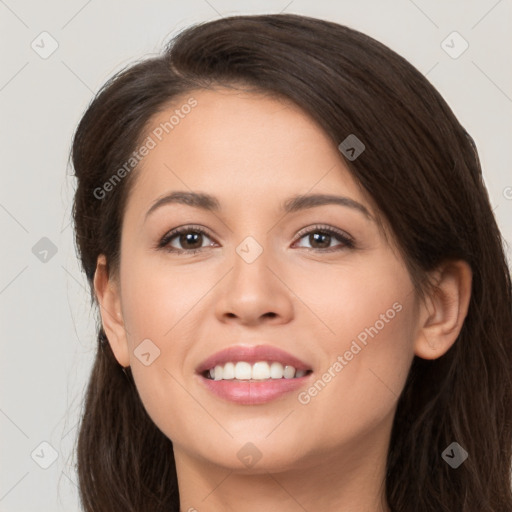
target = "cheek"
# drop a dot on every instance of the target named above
(158, 298)
(367, 348)
(365, 376)
(363, 301)
(161, 304)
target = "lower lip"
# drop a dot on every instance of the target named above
(253, 392)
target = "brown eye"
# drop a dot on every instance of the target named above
(190, 240)
(320, 239)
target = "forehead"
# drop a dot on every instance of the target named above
(241, 147)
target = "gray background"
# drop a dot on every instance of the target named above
(48, 337)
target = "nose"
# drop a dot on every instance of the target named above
(255, 290)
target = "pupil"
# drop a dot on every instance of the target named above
(316, 237)
(189, 238)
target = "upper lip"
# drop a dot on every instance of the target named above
(252, 354)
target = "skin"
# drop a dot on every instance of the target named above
(252, 152)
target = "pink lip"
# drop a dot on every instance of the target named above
(252, 392)
(252, 354)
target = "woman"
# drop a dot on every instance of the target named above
(338, 334)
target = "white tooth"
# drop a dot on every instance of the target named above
(229, 371)
(289, 372)
(260, 370)
(242, 371)
(276, 371)
(218, 372)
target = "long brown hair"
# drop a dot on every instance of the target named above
(421, 168)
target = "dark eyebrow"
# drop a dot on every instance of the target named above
(293, 204)
(194, 199)
(296, 203)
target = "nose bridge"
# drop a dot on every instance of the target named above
(252, 237)
(250, 249)
(251, 263)
(252, 290)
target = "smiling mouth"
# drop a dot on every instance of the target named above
(259, 371)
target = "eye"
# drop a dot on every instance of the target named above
(189, 237)
(322, 236)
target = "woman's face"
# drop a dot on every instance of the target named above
(316, 282)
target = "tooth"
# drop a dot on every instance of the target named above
(260, 370)
(276, 371)
(229, 371)
(242, 371)
(218, 373)
(289, 372)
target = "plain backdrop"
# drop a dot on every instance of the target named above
(47, 326)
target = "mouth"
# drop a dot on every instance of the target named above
(253, 375)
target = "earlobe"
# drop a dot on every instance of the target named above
(109, 300)
(444, 310)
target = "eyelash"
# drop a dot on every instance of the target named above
(325, 230)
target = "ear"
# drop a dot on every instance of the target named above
(108, 295)
(443, 312)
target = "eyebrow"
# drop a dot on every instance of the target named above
(293, 204)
